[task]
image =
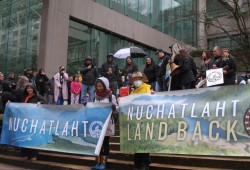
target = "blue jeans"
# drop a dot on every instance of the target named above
(87, 89)
(162, 83)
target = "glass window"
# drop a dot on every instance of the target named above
(174, 18)
(84, 40)
(19, 34)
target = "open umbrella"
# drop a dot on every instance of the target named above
(134, 52)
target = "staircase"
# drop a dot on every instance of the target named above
(119, 161)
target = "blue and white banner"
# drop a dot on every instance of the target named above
(72, 128)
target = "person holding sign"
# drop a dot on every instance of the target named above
(104, 94)
(141, 160)
(30, 95)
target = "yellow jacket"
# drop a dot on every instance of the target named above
(143, 88)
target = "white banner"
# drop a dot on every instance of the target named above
(214, 77)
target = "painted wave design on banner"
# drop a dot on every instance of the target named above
(58, 128)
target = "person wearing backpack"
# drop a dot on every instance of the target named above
(104, 94)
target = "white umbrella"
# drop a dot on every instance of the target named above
(134, 52)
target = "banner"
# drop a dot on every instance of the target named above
(71, 128)
(208, 121)
(214, 77)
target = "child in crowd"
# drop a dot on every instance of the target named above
(76, 87)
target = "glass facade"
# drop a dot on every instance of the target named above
(20, 22)
(176, 18)
(216, 9)
(87, 41)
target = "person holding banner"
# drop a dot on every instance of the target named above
(104, 94)
(141, 160)
(30, 95)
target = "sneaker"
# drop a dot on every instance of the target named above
(94, 167)
(101, 167)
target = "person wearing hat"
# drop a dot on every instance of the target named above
(141, 160)
(110, 70)
(161, 69)
(89, 75)
(61, 87)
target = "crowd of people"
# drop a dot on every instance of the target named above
(89, 85)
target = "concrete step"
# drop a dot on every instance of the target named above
(118, 160)
(79, 163)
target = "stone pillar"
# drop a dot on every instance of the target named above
(54, 35)
(202, 34)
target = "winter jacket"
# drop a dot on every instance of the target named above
(41, 80)
(34, 99)
(75, 87)
(150, 71)
(228, 64)
(143, 88)
(58, 86)
(115, 71)
(89, 76)
(111, 126)
(186, 75)
(8, 94)
(161, 66)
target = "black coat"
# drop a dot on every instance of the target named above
(161, 66)
(34, 99)
(150, 71)
(41, 83)
(89, 76)
(129, 69)
(115, 71)
(229, 65)
(8, 94)
(186, 75)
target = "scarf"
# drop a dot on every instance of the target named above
(102, 95)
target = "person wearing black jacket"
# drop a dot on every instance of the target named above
(129, 68)
(227, 63)
(110, 70)
(150, 71)
(30, 95)
(161, 69)
(41, 80)
(186, 76)
(8, 93)
(89, 75)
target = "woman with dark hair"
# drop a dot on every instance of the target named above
(30, 96)
(150, 71)
(41, 81)
(128, 70)
(103, 94)
(207, 63)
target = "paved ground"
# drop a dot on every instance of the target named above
(10, 167)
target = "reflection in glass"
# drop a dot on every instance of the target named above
(19, 34)
(86, 41)
(174, 18)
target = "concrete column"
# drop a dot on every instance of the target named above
(202, 34)
(54, 35)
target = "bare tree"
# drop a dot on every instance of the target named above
(236, 30)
